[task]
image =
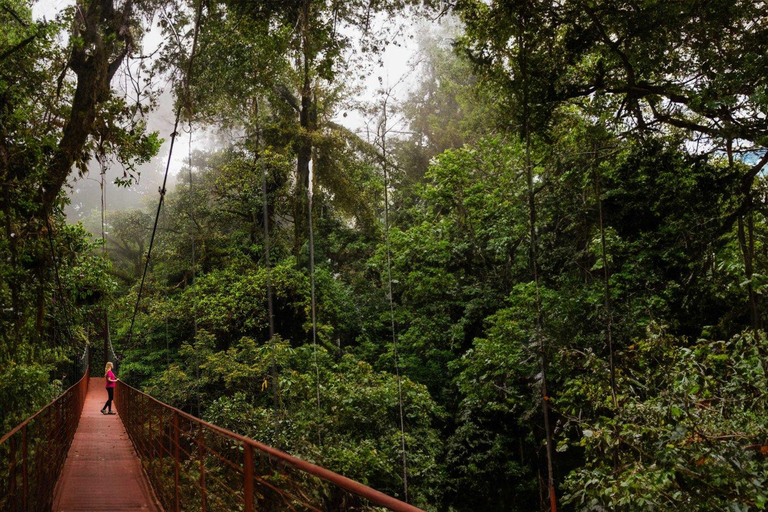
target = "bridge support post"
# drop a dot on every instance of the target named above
(12, 489)
(201, 456)
(176, 457)
(151, 454)
(25, 468)
(248, 475)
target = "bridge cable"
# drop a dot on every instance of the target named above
(85, 352)
(165, 310)
(310, 196)
(103, 172)
(392, 308)
(63, 297)
(268, 266)
(162, 190)
(193, 225)
(270, 306)
(533, 251)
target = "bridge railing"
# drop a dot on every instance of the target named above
(196, 466)
(33, 453)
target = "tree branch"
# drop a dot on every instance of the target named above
(18, 47)
(14, 15)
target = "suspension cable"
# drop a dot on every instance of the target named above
(259, 152)
(165, 280)
(538, 331)
(85, 352)
(102, 186)
(179, 109)
(63, 297)
(193, 225)
(392, 307)
(103, 169)
(310, 196)
(270, 307)
(267, 262)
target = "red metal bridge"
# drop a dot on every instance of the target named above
(152, 457)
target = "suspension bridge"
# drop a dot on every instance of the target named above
(153, 457)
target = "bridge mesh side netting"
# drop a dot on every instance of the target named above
(33, 453)
(196, 466)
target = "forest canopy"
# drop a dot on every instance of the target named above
(535, 279)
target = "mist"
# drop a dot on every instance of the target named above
(394, 73)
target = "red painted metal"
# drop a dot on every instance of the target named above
(206, 467)
(102, 472)
(248, 477)
(28, 484)
(176, 460)
(200, 456)
(25, 467)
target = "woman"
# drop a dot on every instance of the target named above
(111, 379)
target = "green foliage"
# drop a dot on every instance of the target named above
(639, 222)
(56, 113)
(450, 107)
(466, 243)
(497, 413)
(353, 430)
(25, 388)
(689, 429)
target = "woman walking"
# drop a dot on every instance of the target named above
(111, 379)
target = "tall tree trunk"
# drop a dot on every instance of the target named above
(307, 123)
(754, 306)
(747, 243)
(543, 360)
(608, 304)
(106, 40)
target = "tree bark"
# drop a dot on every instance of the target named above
(307, 123)
(105, 33)
(747, 241)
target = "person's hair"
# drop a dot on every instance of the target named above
(108, 367)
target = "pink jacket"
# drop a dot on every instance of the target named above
(110, 375)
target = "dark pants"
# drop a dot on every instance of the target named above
(111, 392)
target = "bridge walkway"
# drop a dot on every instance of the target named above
(102, 471)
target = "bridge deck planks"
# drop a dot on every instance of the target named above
(102, 471)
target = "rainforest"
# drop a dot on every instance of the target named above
(480, 256)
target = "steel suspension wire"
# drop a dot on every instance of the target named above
(535, 273)
(103, 165)
(270, 306)
(55, 259)
(608, 302)
(103, 211)
(193, 224)
(310, 196)
(392, 310)
(85, 353)
(165, 279)
(168, 165)
(259, 153)
(109, 338)
(267, 262)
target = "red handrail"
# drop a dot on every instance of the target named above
(192, 463)
(28, 479)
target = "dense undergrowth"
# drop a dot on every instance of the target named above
(588, 225)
